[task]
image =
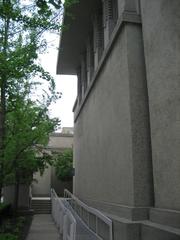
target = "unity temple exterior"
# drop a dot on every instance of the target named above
(125, 54)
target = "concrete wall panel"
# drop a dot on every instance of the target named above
(161, 24)
(103, 150)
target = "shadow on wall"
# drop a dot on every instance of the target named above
(59, 185)
(41, 187)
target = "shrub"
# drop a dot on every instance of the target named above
(64, 165)
(3, 206)
(5, 210)
(15, 228)
(8, 236)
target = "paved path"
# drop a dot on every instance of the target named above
(43, 228)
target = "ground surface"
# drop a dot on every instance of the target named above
(43, 228)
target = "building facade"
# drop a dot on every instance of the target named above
(127, 112)
(58, 142)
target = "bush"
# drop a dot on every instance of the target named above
(3, 206)
(64, 165)
(8, 236)
(12, 227)
(5, 211)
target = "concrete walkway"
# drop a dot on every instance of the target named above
(43, 228)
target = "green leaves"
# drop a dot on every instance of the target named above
(8, 236)
(64, 165)
(25, 124)
(69, 3)
(28, 129)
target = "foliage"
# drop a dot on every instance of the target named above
(64, 165)
(12, 228)
(5, 210)
(22, 28)
(8, 236)
(3, 205)
(28, 131)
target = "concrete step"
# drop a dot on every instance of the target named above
(41, 212)
(154, 231)
(42, 201)
(41, 206)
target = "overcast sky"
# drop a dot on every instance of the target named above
(67, 85)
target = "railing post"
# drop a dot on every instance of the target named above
(65, 228)
(110, 233)
(88, 220)
(72, 231)
(96, 226)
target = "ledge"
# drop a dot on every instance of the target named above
(57, 134)
(77, 23)
(165, 217)
(126, 17)
(130, 213)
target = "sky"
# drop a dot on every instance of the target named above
(65, 84)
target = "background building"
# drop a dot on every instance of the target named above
(127, 113)
(58, 142)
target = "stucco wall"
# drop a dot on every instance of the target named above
(42, 185)
(109, 153)
(23, 198)
(104, 119)
(60, 141)
(161, 24)
(59, 185)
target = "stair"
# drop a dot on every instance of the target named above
(41, 206)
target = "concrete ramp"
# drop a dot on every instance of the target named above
(43, 228)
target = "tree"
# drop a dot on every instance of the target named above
(28, 128)
(22, 25)
(64, 165)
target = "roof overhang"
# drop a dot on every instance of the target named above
(73, 38)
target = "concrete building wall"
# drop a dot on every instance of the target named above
(127, 138)
(59, 185)
(23, 198)
(42, 184)
(161, 24)
(58, 142)
(112, 130)
(107, 106)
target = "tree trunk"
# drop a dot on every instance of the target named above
(3, 86)
(2, 135)
(16, 194)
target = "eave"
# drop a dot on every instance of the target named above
(73, 38)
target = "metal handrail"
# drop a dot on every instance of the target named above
(90, 210)
(63, 218)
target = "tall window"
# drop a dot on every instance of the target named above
(90, 57)
(98, 34)
(84, 72)
(113, 15)
(110, 14)
(79, 84)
